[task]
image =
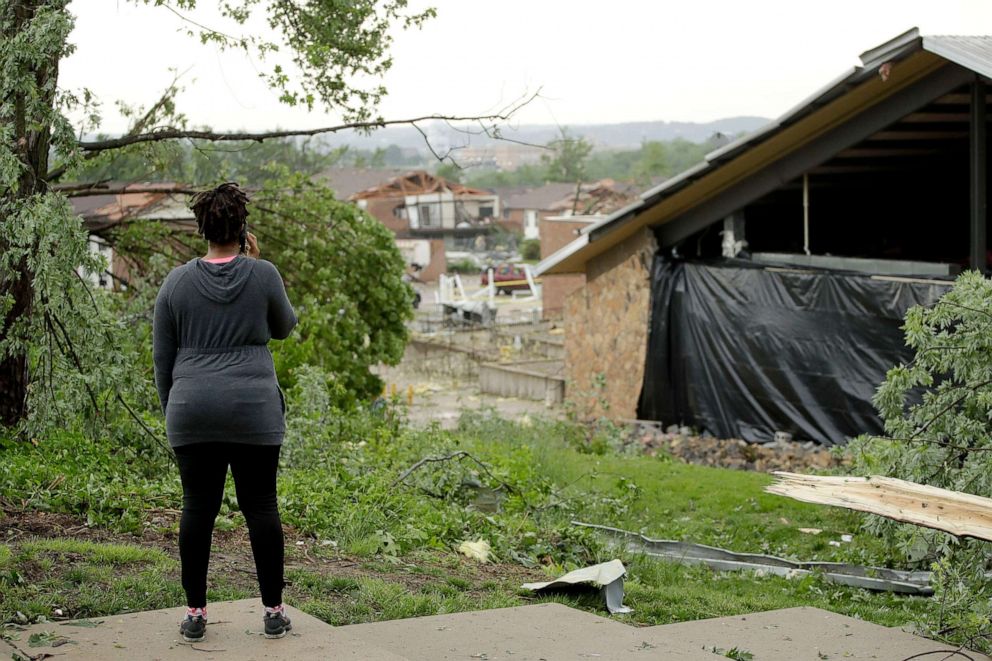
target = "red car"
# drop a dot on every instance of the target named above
(507, 278)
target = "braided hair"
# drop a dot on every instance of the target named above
(221, 213)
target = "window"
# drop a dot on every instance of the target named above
(530, 224)
(486, 212)
(425, 216)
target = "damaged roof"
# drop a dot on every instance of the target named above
(418, 182)
(101, 212)
(884, 71)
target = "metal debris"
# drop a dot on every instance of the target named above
(607, 576)
(871, 578)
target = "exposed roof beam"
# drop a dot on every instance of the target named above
(814, 153)
(905, 134)
(872, 152)
(932, 117)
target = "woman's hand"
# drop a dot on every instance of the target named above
(252, 246)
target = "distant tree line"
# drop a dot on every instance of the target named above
(570, 159)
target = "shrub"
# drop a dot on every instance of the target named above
(530, 249)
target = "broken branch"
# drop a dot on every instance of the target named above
(960, 514)
(460, 454)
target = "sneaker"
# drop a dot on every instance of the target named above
(276, 623)
(194, 625)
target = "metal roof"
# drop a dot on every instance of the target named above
(971, 52)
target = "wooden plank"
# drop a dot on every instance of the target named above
(960, 514)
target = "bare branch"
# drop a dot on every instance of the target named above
(174, 133)
(460, 454)
(87, 190)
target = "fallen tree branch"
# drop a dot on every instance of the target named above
(460, 454)
(960, 514)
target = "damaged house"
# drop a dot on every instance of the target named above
(763, 290)
(428, 214)
(102, 213)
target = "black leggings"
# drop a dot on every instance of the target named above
(203, 469)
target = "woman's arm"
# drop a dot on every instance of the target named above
(164, 345)
(282, 318)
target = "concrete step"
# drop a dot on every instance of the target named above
(796, 634)
(234, 632)
(551, 632)
(524, 633)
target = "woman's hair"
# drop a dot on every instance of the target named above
(220, 213)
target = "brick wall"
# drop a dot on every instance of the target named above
(512, 221)
(606, 330)
(382, 208)
(438, 263)
(556, 234)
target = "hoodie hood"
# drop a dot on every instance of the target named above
(221, 283)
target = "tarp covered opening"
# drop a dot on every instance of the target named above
(742, 351)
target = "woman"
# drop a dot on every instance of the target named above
(222, 404)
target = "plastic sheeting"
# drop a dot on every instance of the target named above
(743, 352)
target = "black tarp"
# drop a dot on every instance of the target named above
(742, 351)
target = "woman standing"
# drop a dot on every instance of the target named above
(213, 318)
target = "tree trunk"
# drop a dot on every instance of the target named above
(31, 146)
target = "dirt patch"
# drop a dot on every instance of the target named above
(231, 556)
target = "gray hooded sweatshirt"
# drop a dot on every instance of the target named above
(213, 370)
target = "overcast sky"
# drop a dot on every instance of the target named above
(595, 61)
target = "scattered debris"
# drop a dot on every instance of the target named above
(607, 577)
(477, 550)
(90, 624)
(733, 653)
(704, 450)
(47, 639)
(872, 578)
(960, 514)
(810, 531)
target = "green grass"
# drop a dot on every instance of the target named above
(341, 486)
(96, 553)
(374, 600)
(87, 579)
(719, 507)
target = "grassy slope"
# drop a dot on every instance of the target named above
(657, 496)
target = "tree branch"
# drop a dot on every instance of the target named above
(174, 133)
(460, 454)
(86, 190)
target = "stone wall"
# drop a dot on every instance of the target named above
(606, 330)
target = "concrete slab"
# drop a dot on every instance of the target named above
(233, 632)
(551, 632)
(796, 634)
